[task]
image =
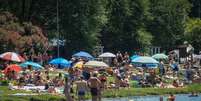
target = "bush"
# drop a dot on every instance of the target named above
(4, 83)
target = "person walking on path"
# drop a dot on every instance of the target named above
(94, 84)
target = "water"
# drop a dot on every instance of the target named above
(180, 97)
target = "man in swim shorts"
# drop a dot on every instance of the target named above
(94, 84)
(81, 89)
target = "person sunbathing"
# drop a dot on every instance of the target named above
(51, 89)
(175, 84)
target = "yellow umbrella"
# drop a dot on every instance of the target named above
(79, 65)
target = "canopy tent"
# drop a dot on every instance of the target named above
(160, 56)
(32, 64)
(95, 64)
(83, 54)
(60, 62)
(107, 55)
(11, 56)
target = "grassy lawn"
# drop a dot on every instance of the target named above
(124, 92)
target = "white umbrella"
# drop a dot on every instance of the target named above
(197, 56)
(95, 64)
(107, 55)
(160, 56)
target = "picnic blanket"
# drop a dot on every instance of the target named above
(27, 88)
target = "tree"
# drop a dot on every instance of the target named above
(126, 25)
(167, 24)
(21, 37)
(193, 33)
(80, 23)
(196, 8)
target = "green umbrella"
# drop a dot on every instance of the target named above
(160, 56)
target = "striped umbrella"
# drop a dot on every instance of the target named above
(11, 56)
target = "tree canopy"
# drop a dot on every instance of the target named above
(125, 25)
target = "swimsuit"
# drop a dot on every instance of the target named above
(81, 92)
(94, 91)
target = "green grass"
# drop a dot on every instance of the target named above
(124, 92)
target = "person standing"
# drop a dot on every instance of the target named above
(81, 89)
(161, 68)
(189, 74)
(67, 88)
(94, 84)
(161, 98)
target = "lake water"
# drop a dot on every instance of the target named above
(180, 97)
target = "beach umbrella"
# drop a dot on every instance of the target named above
(11, 56)
(197, 56)
(13, 67)
(95, 64)
(32, 64)
(134, 56)
(145, 60)
(83, 55)
(79, 64)
(60, 62)
(107, 55)
(160, 56)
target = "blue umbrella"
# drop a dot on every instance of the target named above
(145, 61)
(83, 54)
(60, 62)
(134, 56)
(33, 64)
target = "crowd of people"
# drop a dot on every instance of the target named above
(81, 80)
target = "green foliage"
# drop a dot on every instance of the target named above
(116, 24)
(196, 8)
(126, 24)
(4, 83)
(193, 32)
(144, 38)
(81, 23)
(167, 24)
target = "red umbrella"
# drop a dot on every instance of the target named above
(13, 67)
(11, 56)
